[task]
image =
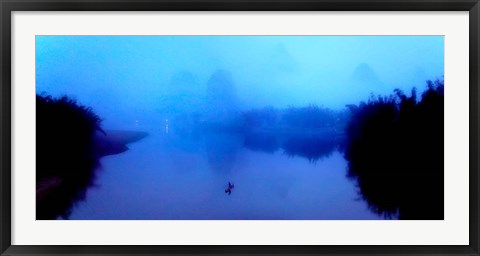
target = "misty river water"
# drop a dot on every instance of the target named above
(168, 176)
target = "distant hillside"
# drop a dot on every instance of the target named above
(365, 75)
(221, 99)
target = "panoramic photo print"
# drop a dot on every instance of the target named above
(239, 127)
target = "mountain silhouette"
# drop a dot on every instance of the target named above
(282, 60)
(365, 75)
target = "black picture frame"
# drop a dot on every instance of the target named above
(9, 6)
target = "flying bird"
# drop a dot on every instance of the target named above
(229, 188)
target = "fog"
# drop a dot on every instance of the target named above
(127, 79)
(239, 127)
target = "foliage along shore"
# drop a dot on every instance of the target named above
(395, 152)
(69, 144)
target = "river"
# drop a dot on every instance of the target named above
(183, 176)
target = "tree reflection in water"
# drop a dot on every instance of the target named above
(69, 144)
(313, 148)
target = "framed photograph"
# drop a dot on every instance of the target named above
(237, 127)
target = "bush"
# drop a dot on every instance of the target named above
(65, 152)
(395, 152)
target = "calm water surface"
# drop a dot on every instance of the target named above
(170, 176)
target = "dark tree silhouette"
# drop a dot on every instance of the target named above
(310, 132)
(265, 117)
(311, 116)
(311, 148)
(395, 152)
(65, 160)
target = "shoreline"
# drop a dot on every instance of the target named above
(112, 142)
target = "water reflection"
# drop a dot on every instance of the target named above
(390, 178)
(262, 142)
(312, 148)
(222, 149)
(194, 185)
(56, 195)
(65, 163)
(69, 145)
(395, 154)
(64, 174)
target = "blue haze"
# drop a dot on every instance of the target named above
(138, 82)
(128, 74)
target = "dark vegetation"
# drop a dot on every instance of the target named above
(395, 152)
(265, 117)
(65, 162)
(393, 145)
(310, 118)
(262, 142)
(310, 132)
(312, 148)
